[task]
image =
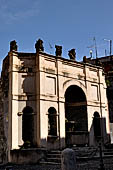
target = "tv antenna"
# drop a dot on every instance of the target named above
(94, 46)
(51, 47)
(91, 53)
(110, 45)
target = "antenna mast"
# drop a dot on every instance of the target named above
(110, 46)
(93, 46)
(94, 39)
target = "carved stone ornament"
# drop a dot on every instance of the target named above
(72, 54)
(13, 46)
(58, 50)
(39, 45)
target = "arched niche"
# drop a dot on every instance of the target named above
(52, 121)
(28, 125)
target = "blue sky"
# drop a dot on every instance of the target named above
(70, 23)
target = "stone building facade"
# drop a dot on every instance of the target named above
(49, 101)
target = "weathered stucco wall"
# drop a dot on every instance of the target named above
(40, 81)
(58, 75)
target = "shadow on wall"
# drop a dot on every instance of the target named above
(28, 87)
(27, 74)
(98, 131)
(27, 91)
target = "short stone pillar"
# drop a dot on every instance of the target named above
(58, 50)
(68, 160)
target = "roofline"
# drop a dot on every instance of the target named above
(56, 57)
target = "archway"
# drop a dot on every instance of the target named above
(76, 116)
(28, 126)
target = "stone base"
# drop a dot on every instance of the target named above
(27, 156)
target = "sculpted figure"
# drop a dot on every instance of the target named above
(72, 54)
(39, 45)
(13, 46)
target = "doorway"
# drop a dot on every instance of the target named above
(76, 122)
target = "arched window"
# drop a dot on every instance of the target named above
(28, 125)
(52, 121)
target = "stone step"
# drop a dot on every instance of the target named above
(107, 150)
(54, 152)
(50, 163)
(55, 160)
(52, 158)
(53, 155)
(108, 153)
